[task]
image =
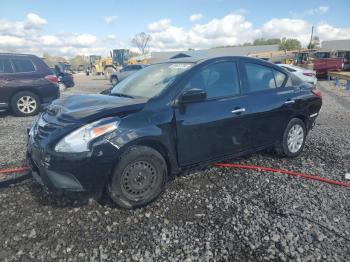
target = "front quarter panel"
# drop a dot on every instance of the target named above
(152, 128)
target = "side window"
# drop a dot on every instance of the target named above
(259, 77)
(22, 65)
(5, 66)
(279, 78)
(127, 68)
(217, 80)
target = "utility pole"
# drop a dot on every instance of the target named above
(312, 32)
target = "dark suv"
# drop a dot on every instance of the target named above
(27, 84)
(167, 118)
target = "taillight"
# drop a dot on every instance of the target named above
(317, 92)
(52, 79)
(308, 74)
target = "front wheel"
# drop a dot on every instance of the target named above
(293, 139)
(138, 178)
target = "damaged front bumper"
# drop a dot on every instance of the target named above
(72, 173)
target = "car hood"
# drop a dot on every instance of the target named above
(82, 108)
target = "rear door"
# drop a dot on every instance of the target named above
(272, 100)
(218, 126)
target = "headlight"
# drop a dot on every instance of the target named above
(78, 141)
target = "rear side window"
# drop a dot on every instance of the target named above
(5, 66)
(218, 80)
(23, 65)
(259, 77)
(279, 78)
(295, 80)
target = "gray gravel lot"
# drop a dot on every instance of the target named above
(212, 214)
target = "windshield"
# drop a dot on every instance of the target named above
(150, 81)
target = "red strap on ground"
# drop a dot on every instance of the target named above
(281, 171)
(258, 168)
(13, 170)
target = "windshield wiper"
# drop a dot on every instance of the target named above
(121, 95)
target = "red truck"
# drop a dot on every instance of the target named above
(322, 62)
(323, 65)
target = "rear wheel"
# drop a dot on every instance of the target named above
(138, 178)
(293, 139)
(25, 104)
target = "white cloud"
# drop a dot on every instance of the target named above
(323, 9)
(310, 12)
(286, 27)
(234, 29)
(50, 40)
(109, 20)
(11, 41)
(328, 32)
(229, 30)
(35, 20)
(28, 35)
(196, 17)
(159, 26)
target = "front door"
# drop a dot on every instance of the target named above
(219, 125)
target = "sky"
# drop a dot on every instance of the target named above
(69, 28)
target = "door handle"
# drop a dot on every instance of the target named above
(290, 102)
(239, 110)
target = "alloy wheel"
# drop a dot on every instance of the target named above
(295, 138)
(26, 104)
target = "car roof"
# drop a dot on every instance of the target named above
(197, 59)
(17, 54)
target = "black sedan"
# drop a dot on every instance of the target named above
(167, 118)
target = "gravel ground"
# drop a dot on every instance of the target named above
(211, 214)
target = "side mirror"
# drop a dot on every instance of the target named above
(192, 95)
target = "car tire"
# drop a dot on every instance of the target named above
(25, 103)
(293, 139)
(114, 80)
(139, 177)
